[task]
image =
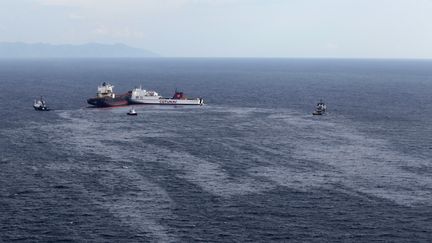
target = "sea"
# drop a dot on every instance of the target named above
(251, 165)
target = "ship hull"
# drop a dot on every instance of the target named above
(39, 108)
(318, 113)
(165, 101)
(120, 100)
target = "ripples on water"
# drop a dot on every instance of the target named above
(222, 172)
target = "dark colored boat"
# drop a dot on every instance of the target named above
(40, 105)
(105, 97)
(320, 109)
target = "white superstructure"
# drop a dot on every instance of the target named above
(105, 90)
(142, 96)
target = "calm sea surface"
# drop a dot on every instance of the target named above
(251, 165)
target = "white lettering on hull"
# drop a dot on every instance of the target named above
(168, 101)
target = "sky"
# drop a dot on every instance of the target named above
(229, 28)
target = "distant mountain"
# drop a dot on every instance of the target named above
(43, 50)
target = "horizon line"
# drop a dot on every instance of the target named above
(228, 57)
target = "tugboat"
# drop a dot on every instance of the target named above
(320, 109)
(105, 97)
(150, 97)
(40, 105)
(132, 112)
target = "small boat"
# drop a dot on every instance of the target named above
(40, 105)
(132, 112)
(320, 109)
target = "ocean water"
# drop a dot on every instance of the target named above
(252, 165)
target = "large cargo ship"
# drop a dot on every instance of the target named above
(142, 96)
(105, 97)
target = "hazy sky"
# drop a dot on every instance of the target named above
(230, 28)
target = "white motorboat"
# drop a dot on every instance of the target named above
(132, 112)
